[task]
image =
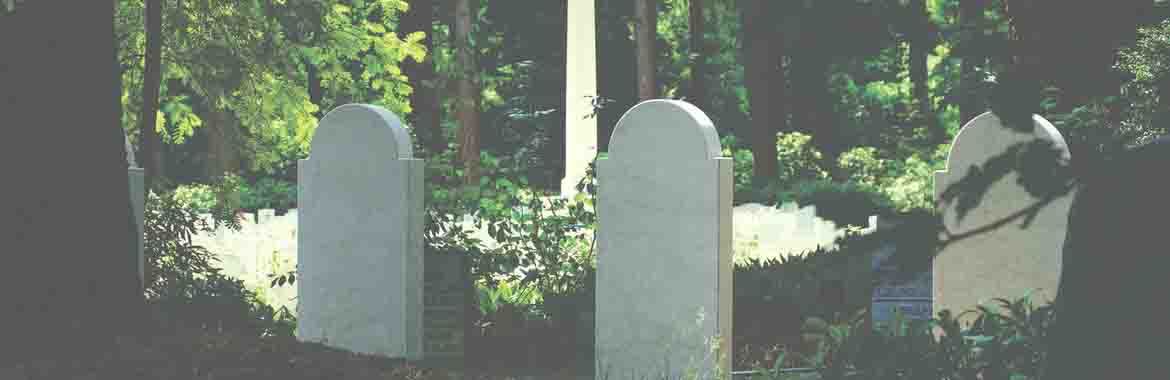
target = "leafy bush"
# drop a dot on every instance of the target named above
(797, 160)
(1005, 341)
(198, 197)
(841, 203)
(184, 287)
(909, 183)
(208, 198)
(267, 193)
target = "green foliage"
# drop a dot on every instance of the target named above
(221, 197)
(1145, 94)
(841, 203)
(742, 162)
(251, 60)
(507, 294)
(799, 160)
(268, 193)
(184, 287)
(1004, 341)
(198, 197)
(909, 183)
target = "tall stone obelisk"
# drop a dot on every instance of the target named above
(580, 86)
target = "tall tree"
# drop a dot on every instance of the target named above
(815, 50)
(698, 55)
(467, 108)
(646, 37)
(973, 56)
(73, 282)
(424, 101)
(151, 143)
(921, 42)
(764, 81)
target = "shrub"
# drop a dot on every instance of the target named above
(908, 183)
(267, 193)
(198, 197)
(182, 285)
(841, 203)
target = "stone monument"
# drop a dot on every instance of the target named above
(360, 196)
(664, 266)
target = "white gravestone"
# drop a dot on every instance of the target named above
(1010, 261)
(580, 84)
(664, 266)
(360, 199)
(137, 178)
(264, 216)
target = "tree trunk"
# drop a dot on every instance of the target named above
(698, 55)
(812, 111)
(971, 30)
(72, 279)
(759, 67)
(645, 35)
(425, 112)
(920, 45)
(152, 154)
(313, 76)
(467, 109)
(222, 142)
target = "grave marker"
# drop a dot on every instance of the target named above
(1010, 261)
(664, 254)
(360, 197)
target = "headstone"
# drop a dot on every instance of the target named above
(664, 266)
(264, 216)
(360, 195)
(580, 85)
(137, 178)
(1009, 261)
(448, 285)
(912, 297)
(805, 217)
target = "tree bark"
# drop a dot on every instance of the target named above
(971, 31)
(698, 55)
(222, 142)
(151, 148)
(812, 111)
(920, 45)
(645, 35)
(759, 68)
(72, 283)
(467, 109)
(426, 112)
(316, 93)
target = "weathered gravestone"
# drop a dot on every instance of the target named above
(1009, 261)
(664, 285)
(448, 292)
(360, 196)
(892, 294)
(137, 178)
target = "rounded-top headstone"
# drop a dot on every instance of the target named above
(664, 254)
(354, 125)
(984, 138)
(677, 130)
(1010, 260)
